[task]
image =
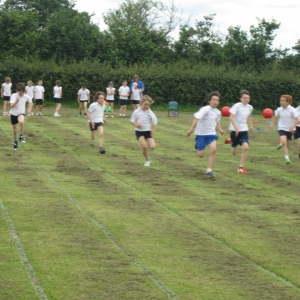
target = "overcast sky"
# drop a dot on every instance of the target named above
(228, 13)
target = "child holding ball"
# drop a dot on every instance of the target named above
(206, 120)
(145, 121)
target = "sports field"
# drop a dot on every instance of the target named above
(75, 224)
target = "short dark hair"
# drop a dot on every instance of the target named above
(83, 85)
(244, 92)
(20, 87)
(214, 93)
(96, 96)
(58, 82)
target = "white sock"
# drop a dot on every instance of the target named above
(286, 157)
(208, 170)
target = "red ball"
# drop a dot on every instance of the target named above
(225, 111)
(227, 141)
(267, 113)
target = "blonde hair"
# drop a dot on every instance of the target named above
(288, 98)
(7, 79)
(29, 81)
(146, 98)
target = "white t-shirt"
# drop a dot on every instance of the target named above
(29, 90)
(241, 113)
(20, 107)
(144, 118)
(298, 113)
(286, 117)
(110, 97)
(6, 89)
(97, 112)
(124, 90)
(136, 94)
(84, 94)
(39, 90)
(57, 91)
(208, 117)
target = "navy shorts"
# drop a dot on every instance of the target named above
(145, 134)
(123, 102)
(135, 102)
(57, 100)
(82, 101)
(110, 101)
(203, 140)
(96, 126)
(297, 133)
(288, 134)
(14, 119)
(240, 139)
(39, 102)
(6, 98)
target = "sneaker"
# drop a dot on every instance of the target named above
(37, 113)
(56, 114)
(85, 115)
(124, 116)
(287, 162)
(101, 150)
(22, 139)
(120, 115)
(4, 114)
(32, 113)
(41, 114)
(79, 115)
(279, 146)
(210, 174)
(242, 171)
(106, 116)
(147, 163)
(15, 146)
(112, 116)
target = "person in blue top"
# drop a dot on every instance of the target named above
(140, 83)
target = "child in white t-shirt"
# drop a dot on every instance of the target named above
(39, 98)
(29, 90)
(96, 118)
(297, 132)
(5, 94)
(124, 92)
(145, 121)
(18, 102)
(206, 120)
(83, 99)
(288, 119)
(136, 95)
(240, 114)
(57, 92)
(110, 98)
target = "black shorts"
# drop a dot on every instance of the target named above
(297, 133)
(39, 101)
(6, 98)
(240, 139)
(96, 126)
(288, 134)
(145, 134)
(135, 102)
(123, 102)
(82, 101)
(14, 119)
(110, 101)
(57, 100)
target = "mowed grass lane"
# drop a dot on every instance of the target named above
(105, 227)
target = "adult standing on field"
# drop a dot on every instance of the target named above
(140, 83)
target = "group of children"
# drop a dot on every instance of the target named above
(205, 122)
(207, 119)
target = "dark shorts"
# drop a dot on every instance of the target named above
(240, 139)
(96, 126)
(297, 133)
(39, 101)
(14, 119)
(57, 100)
(201, 141)
(145, 134)
(6, 98)
(82, 101)
(288, 134)
(110, 101)
(123, 102)
(135, 102)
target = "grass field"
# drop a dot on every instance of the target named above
(76, 224)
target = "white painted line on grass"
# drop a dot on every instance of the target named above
(31, 274)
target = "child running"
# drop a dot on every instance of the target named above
(206, 120)
(297, 132)
(110, 98)
(39, 96)
(5, 94)
(29, 90)
(124, 92)
(145, 121)
(18, 102)
(95, 115)
(57, 92)
(83, 99)
(288, 119)
(240, 115)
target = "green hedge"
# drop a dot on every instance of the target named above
(189, 85)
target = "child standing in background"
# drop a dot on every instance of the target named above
(124, 92)
(57, 92)
(136, 94)
(288, 119)
(5, 94)
(29, 90)
(39, 98)
(297, 132)
(110, 98)
(145, 121)
(83, 99)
